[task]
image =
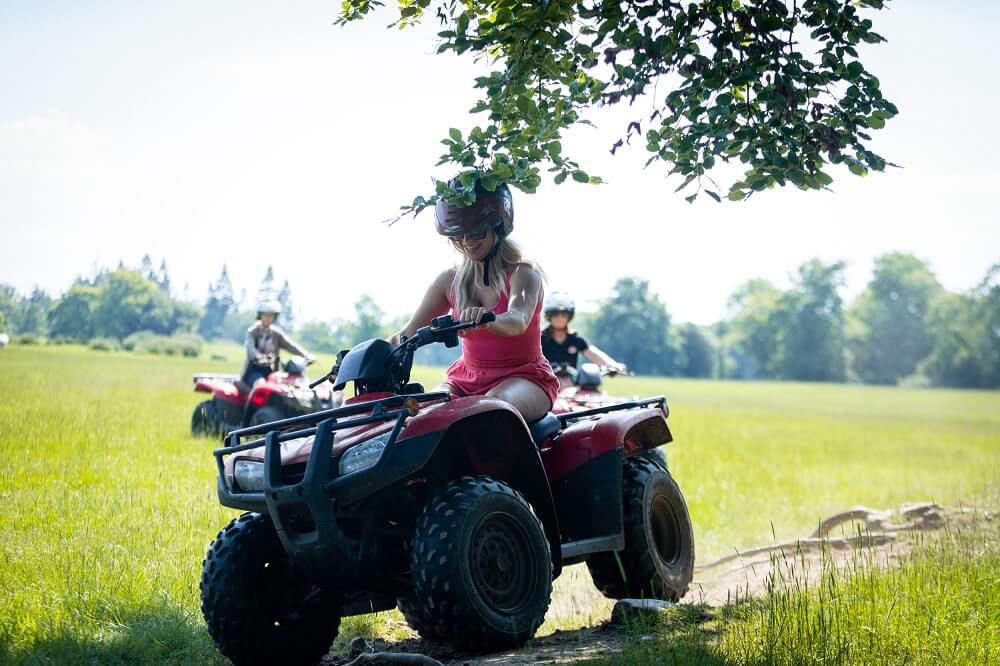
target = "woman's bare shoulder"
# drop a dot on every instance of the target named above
(527, 271)
(445, 278)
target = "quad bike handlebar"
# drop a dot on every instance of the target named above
(565, 369)
(442, 329)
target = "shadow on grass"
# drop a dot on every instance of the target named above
(152, 635)
(683, 635)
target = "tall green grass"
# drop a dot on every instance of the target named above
(938, 604)
(109, 504)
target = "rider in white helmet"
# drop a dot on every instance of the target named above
(563, 346)
(264, 341)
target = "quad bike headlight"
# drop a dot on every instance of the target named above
(249, 475)
(363, 455)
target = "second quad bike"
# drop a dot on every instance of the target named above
(233, 405)
(454, 510)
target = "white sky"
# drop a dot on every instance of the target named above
(250, 133)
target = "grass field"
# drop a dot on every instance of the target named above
(109, 503)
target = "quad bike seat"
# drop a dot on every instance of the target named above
(542, 428)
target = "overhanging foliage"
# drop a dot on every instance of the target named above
(777, 86)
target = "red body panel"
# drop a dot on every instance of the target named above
(223, 390)
(439, 416)
(280, 382)
(433, 417)
(635, 429)
(589, 438)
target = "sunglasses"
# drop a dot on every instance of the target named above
(472, 235)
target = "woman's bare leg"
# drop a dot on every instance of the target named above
(527, 397)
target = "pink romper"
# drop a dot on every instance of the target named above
(488, 359)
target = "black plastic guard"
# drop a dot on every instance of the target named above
(323, 549)
(589, 499)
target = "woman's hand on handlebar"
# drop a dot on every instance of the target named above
(474, 315)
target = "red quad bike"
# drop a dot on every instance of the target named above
(585, 392)
(283, 394)
(453, 509)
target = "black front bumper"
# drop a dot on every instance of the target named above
(304, 511)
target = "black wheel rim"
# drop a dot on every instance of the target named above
(666, 529)
(503, 566)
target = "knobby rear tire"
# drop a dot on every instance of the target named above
(205, 419)
(658, 559)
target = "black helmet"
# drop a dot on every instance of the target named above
(494, 208)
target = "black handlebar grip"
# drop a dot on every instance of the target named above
(487, 318)
(319, 381)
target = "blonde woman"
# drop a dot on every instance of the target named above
(503, 358)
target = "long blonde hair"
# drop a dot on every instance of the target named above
(470, 272)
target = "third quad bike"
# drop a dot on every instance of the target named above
(584, 391)
(454, 510)
(232, 405)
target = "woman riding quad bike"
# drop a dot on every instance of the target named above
(263, 343)
(503, 358)
(460, 506)
(265, 390)
(562, 346)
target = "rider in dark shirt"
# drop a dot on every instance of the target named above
(561, 346)
(567, 351)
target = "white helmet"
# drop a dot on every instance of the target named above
(559, 301)
(269, 306)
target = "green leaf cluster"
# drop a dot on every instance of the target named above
(775, 85)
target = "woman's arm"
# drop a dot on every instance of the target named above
(250, 345)
(434, 304)
(593, 353)
(525, 292)
(287, 343)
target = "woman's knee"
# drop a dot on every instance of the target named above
(527, 397)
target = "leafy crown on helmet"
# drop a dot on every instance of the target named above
(491, 207)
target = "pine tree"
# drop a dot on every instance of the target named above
(219, 304)
(163, 280)
(146, 268)
(266, 291)
(285, 298)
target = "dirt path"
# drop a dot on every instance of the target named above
(717, 583)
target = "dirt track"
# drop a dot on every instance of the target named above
(715, 584)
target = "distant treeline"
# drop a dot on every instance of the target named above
(903, 328)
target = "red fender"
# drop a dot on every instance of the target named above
(223, 390)
(588, 438)
(441, 415)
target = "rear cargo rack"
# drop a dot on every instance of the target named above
(659, 400)
(276, 432)
(220, 376)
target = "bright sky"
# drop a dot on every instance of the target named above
(250, 133)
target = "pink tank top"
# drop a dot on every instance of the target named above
(483, 345)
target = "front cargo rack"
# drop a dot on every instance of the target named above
(326, 420)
